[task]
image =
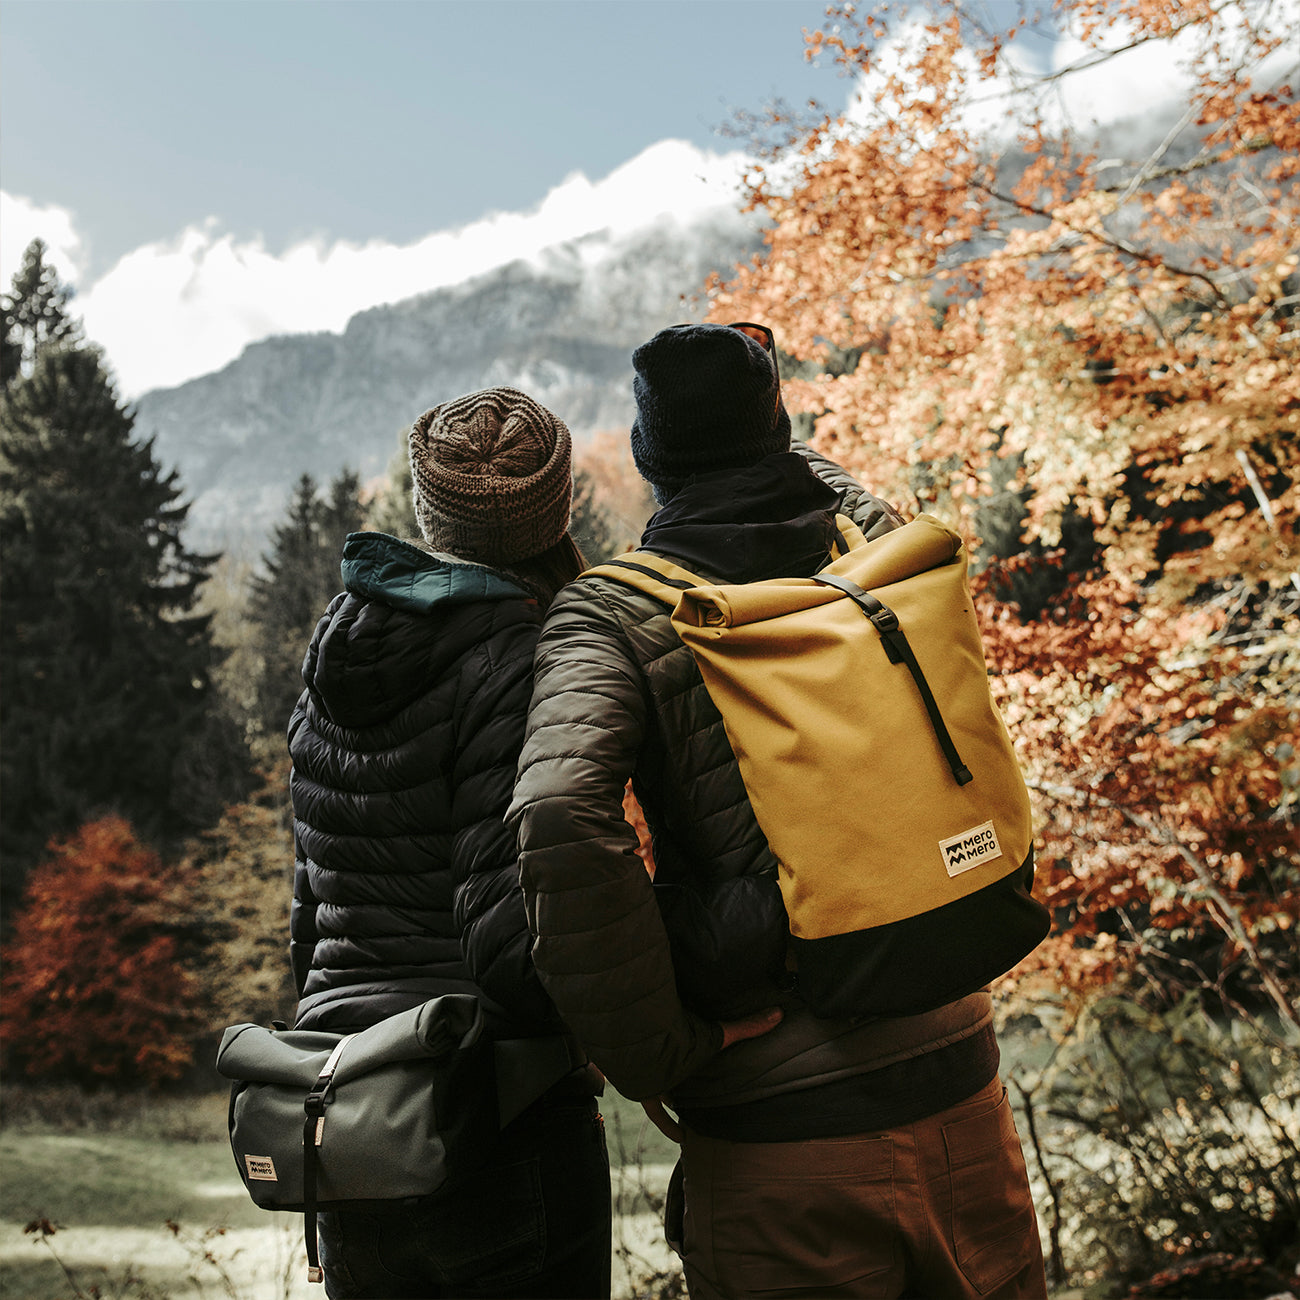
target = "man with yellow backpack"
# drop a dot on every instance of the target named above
(847, 1135)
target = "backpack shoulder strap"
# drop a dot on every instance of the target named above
(665, 581)
(849, 537)
(648, 573)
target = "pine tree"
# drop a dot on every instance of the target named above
(341, 513)
(106, 667)
(301, 576)
(35, 314)
(391, 510)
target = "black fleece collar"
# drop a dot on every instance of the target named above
(772, 519)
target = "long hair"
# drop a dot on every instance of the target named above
(546, 573)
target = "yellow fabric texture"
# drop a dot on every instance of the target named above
(837, 752)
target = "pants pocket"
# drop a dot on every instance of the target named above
(994, 1227)
(488, 1230)
(796, 1218)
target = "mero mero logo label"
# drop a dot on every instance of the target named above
(261, 1168)
(970, 848)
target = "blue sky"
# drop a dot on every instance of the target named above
(364, 119)
(210, 172)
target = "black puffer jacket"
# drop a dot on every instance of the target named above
(644, 974)
(404, 747)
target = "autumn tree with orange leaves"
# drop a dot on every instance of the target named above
(605, 474)
(94, 990)
(988, 310)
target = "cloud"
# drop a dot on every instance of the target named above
(169, 311)
(992, 106)
(1141, 89)
(22, 220)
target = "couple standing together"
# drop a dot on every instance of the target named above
(473, 712)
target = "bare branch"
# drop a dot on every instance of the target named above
(1109, 241)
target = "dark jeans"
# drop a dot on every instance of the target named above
(533, 1221)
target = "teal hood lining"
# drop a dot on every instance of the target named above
(408, 576)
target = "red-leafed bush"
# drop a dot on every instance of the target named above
(92, 989)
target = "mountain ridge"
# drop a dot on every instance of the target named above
(561, 327)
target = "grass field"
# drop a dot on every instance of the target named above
(147, 1205)
(112, 1176)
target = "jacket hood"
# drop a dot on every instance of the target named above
(773, 518)
(406, 616)
(414, 577)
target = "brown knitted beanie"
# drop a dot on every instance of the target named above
(491, 476)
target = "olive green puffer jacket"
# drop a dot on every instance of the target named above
(643, 973)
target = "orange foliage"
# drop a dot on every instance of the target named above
(1121, 337)
(987, 310)
(92, 989)
(1164, 785)
(636, 819)
(623, 497)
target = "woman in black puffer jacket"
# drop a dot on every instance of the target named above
(406, 887)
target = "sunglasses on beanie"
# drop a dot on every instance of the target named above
(760, 334)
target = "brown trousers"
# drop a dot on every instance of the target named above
(939, 1209)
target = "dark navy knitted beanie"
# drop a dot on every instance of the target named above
(707, 398)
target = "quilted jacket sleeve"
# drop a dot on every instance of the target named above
(302, 921)
(489, 907)
(302, 913)
(874, 516)
(600, 946)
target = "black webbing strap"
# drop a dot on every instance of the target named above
(885, 621)
(677, 583)
(313, 1130)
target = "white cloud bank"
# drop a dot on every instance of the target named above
(21, 221)
(172, 310)
(1140, 87)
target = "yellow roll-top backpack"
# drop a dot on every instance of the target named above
(857, 704)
